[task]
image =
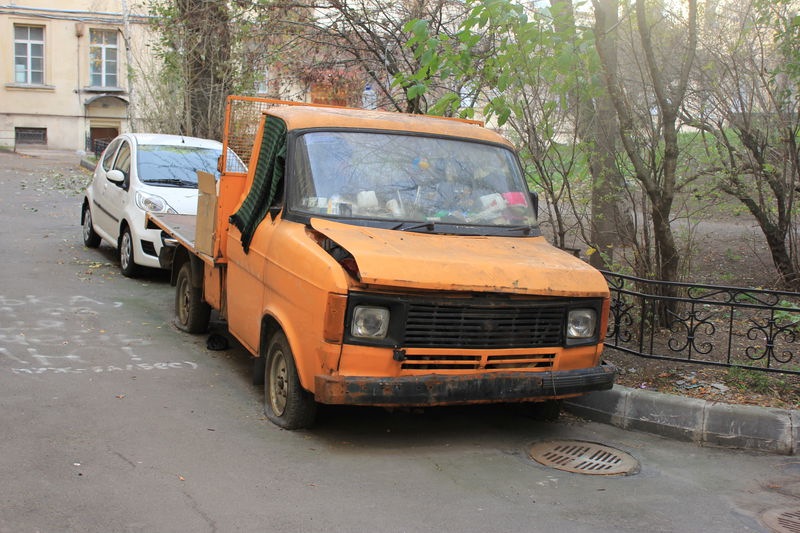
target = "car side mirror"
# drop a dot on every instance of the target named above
(535, 202)
(115, 176)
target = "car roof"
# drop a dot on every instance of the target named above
(309, 117)
(173, 140)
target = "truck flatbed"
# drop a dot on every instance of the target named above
(182, 228)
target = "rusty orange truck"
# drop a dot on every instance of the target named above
(384, 259)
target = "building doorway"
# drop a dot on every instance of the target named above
(100, 137)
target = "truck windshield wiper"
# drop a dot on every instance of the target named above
(430, 226)
(525, 229)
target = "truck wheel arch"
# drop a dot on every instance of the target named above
(269, 327)
(180, 257)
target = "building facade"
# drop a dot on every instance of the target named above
(64, 66)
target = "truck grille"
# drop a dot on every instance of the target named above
(465, 325)
(478, 362)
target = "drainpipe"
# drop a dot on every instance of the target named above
(129, 60)
(79, 30)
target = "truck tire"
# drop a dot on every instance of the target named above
(286, 403)
(192, 314)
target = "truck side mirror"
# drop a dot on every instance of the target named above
(535, 202)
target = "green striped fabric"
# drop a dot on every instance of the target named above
(267, 182)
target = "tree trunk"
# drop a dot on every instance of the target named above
(596, 123)
(207, 49)
(610, 224)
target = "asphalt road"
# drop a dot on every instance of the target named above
(113, 421)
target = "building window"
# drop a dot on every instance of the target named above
(262, 85)
(30, 135)
(103, 58)
(29, 55)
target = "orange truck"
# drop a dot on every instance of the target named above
(383, 259)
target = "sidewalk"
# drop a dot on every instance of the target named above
(691, 419)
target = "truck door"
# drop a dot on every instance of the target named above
(250, 233)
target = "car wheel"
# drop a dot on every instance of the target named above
(286, 403)
(192, 314)
(127, 266)
(90, 238)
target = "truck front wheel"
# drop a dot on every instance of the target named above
(286, 403)
(192, 314)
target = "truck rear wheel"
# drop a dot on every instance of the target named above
(286, 403)
(192, 314)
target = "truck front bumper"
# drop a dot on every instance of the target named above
(441, 389)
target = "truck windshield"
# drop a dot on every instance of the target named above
(411, 181)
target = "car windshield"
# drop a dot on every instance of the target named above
(176, 166)
(415, 180)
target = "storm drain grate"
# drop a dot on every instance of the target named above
(583, 457)
(782, 520)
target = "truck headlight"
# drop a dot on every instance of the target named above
(370, 322)
(581, 325)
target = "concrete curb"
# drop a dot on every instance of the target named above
(89, 165)
(691, 419)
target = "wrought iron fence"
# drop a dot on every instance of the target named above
(707, 324)
(96, 146)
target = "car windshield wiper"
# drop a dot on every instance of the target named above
(171, 181)
(409, 226)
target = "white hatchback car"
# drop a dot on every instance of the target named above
(138, 173)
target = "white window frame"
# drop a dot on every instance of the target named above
(26, 74)
(106, 71)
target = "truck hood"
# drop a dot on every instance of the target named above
(520, 265)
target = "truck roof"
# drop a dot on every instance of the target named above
(304, 117)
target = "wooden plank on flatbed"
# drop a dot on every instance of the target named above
(183, 228)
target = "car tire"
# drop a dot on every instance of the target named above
(192, 314)
(90, 238)
(127, 265)
(286, 403)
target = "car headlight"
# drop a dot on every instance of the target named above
(152, 203)
(370, 322)
(581, 325)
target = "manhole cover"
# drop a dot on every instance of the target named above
(782, 520)
(584, 458)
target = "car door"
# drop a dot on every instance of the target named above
(118, 194)
(101, 216)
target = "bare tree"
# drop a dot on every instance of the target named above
(648, 111)
(203, 61)
(746, 104)
(365, 39)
